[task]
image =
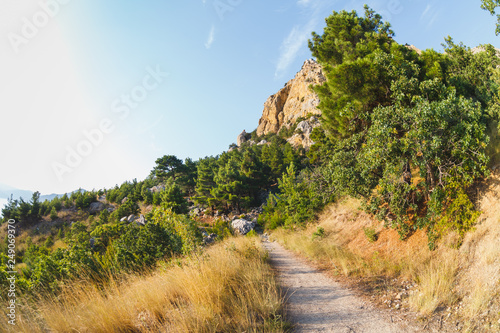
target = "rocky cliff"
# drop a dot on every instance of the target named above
(294, 100)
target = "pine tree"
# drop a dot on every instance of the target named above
(355, 82)
(206, 170)
(53, 214)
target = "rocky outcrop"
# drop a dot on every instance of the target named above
(294, 100)
(242, 138)
(302, 135)
(414, 48)
(481, 48)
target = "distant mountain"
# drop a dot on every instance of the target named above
(6, 191)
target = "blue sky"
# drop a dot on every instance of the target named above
(121, 83)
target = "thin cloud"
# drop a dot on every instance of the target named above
(292, 44)
(211, 38)
(430, 15)
(426, 11)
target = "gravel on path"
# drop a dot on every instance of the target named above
(316, 303)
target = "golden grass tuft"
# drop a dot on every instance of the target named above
(228, 288)
(436, 282)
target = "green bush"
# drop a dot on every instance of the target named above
(53, 214)
(319, 233)
(252, 233)
(370, 234)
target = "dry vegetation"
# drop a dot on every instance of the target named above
(462, 280)
(228, 288)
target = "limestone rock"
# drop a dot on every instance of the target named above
(479, 49)
(241, 138)
(305, 127)
(243, 226)
(302, 135)
(96, 207)
(294, 100)
(414, 48)
(141, 220)
(157, 188)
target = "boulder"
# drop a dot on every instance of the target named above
(123, 219)
(131, 218)
(263, 142)
(242, 226)
(96, 207)
(124, 200)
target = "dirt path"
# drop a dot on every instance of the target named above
(316, 303)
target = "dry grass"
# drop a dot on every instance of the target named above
(346, 250)
(479, 279)
(230, 288)
(436, 282)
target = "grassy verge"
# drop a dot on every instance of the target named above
(228, 288)
(340, 243)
